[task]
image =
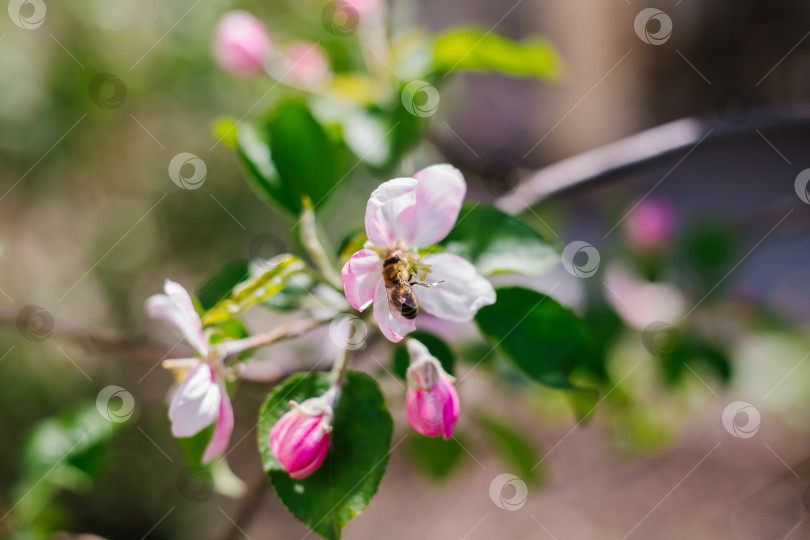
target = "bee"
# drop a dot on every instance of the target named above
(398, 284)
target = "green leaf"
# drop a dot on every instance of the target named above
(291, 156)
(358, 454)
(480, 50)
(545, 340)
(294, 295)
(255, 290)
(220, 286)
(437, 347)
(253, 146)
(436, 456)
(512, 446)
(350, 244)
(67, 452)
(497, 242)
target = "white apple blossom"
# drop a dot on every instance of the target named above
(403, 215)
(201, 399)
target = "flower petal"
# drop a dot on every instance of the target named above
(390, 210)
(196, 404)
(452, 407)
(176, 308)
(462, 291)
(393, 325)
(222, 433)
(360, 275)
(439, 194)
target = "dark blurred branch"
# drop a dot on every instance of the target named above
(105, 340)
(613, 160)
(251, 506)
(142, 349)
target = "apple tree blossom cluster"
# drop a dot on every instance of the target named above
(429, 287)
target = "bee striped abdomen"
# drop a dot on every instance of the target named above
(408, 311)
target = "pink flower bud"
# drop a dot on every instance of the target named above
(306, 66)
(241, 44)
(651, 224)
(300, 439)
(431, 401)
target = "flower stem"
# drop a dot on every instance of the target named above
(340, 367)
(286, 331)
(312, 243)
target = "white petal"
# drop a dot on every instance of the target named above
(360, 275)
(390, 210)
(222, 434)
(640, 302)
(393, 325)
(196, 402)
(439, 194)
(175, 308)
(462, 291)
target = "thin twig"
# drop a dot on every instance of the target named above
(285, 331)
(253, 502)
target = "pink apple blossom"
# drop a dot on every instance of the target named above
(403, 215)
(242, 45)
(306, 66)
(300, 438)
(651, 224)
(362, 7)
(431, 400)
(201, 398)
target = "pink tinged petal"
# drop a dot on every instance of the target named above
(300, 442)
(390, 210)
(392, 324)
(360, 275)
(222, 433)
(425, 412)
(241, 44)
(196, 404)
(307, 65)
(452, 406)
(462, 292)
(176, 308)
(439, 194)
(362, 7)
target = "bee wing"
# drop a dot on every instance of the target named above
(393, 299)
(401, 297)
